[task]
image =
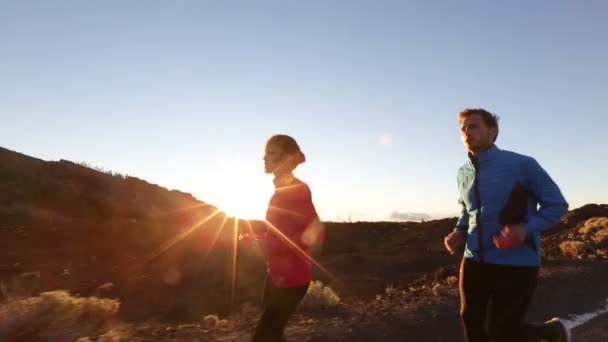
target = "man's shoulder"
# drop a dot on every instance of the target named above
(515, 157)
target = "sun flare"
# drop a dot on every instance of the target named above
(240, 195)
(239, 208)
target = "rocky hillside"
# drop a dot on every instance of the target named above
(167, 255)
(67, 225)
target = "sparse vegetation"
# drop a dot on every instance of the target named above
(390, 290)
(575, 248)
(57, 316)
(593, 225)
(103, 170)
(601, 236)
(451, 280)
(211, 320)
(589, 241)
(440, 290)
(319, 296)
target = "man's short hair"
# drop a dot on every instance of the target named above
(490, 119)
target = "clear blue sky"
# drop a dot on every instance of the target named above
(185, 93)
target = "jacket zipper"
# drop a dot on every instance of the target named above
(478, 214)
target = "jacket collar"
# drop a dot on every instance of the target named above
(484, 156)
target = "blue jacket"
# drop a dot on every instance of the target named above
(485, 184)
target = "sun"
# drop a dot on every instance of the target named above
(240, 208)
(239, 194)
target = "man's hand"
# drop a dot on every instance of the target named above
(511, 237)
(453, 241)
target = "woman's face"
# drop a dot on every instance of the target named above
(275, 161)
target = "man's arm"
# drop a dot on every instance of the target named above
(456, 238)
(462, 225)
(553, 205)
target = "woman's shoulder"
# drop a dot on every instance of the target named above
(297, 186)
(301, 185)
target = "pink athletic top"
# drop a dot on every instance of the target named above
(290, 211)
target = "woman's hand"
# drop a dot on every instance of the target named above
(311, 234)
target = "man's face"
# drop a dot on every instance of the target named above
(475, 134)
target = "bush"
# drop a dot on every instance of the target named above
(593, 225)
(211, 321)
(574, 248)
(319, 296)
(601, 236)
(57, 316)
(390, 291)
(451, 281)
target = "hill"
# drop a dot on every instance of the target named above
(167, 256)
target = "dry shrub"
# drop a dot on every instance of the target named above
(440, 290)
(211, 321)
(574, 248)
(451, 281)
(593, 225)
(57, 316)
(319, 296)
(601, 236)
(390, 290)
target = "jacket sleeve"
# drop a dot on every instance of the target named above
(553, 205)
(462, 225)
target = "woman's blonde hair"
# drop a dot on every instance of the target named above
(289, 146)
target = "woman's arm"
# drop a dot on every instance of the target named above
(313, 232)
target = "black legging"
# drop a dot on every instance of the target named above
(279, 305)
(497, 297)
